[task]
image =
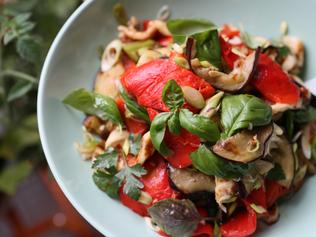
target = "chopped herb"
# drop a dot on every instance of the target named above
(135, 142)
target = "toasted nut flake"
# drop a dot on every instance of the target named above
(145, 198)
(116, 137)
(212, 104)
(284, 28)
(182, 62)
(146, 150)
(147, 56)
(193, 97)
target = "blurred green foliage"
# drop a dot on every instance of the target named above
(27, 29)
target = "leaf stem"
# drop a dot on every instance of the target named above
(19, 75)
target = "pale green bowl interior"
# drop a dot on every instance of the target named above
(73, 62)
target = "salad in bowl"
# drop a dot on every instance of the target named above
(199, 129)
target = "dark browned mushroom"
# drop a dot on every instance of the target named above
(191, 181)
(245, 146)
(236, 80)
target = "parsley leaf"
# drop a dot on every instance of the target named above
(107, 160)
(132, 185)
(108, 183)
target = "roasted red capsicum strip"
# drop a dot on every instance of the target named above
(156, 184)
(273, 83)
(241, 224)
(146, 82)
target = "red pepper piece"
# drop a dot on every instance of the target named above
(228, 56)
(273, 192)
(127, 62)
(134, 205)
(273, 83)
(136, 126)
(156, 181)
(146, 82)
(152, 113)
(165, 41)
(243, 223)
(258, 197)
(181, 145)
(229, 32)
(156, 184)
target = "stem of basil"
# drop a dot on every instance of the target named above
(19, 75)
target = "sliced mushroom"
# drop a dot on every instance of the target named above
(236, 80)
(284, 156)
(244, 146)
(146, 150)
(191, 181)
(225, 192)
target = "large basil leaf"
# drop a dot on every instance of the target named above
(94, 104)
(244, 111)
(178, 218)
(276, 173)
(174, 123)
(199, 125)
(182, 28)
(172, 95)
(108, 183)
(208, 47)
(157, 133)
(134, 107)
(208, 163)
(304, 115)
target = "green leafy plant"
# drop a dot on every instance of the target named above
(27, 28)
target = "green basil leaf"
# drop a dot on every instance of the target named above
(305, 115)
(208, 47)
(94, 104)
(172, 95)
(276, 173)
(107, 160)
(135, 142)
(182, 28)
(108, 183)
(208, 163)
(157, 133)
(178, 218)
(134, 107)
(132, 185)
(244, 111)
(174, 123)
(199, 125)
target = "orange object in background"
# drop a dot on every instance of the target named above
(40, 209)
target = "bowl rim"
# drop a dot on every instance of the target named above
(40, 117)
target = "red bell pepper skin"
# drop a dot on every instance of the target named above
(274, 191)
(152, 113)
(146, 82)
(156, 181)
(181, 145)
(156, 184)
(228, 56)
(165, 41)
(258, 197)
(273, 83)
(243, 223)
(134, 205)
